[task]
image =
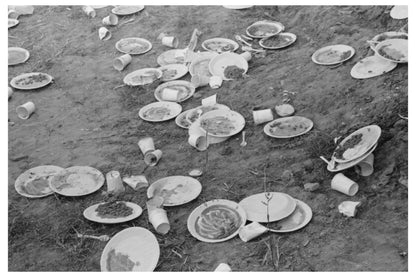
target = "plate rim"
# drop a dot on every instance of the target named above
(184, 115)
(377, 48)
(154, 103)
(329, 47)
(202, 58)
(117, 46)
(222, 106)
(177, 65)
(308, 211)
(294, 37)
(266, 129)
(113, 10)
(27, 54)
(228, 111)
(276, 23)
(234, 43)
(141, 69)
(13, 81)
(166, 84)
(92, 209)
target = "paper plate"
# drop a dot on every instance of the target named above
(388, 35)
(197, 112)
(186, 90)
(18, 55)
(288, 127)
(195, 129)
(133, 46)
(142, 77)
(222, 123)
(264, 28)
(160, 111)
(238, 7)
(219, 63)
(34, 183)
(172, 72)
(216, 220)
(126, 10)
(342, 166)
(220, 45)
(278, 41)
(393, 50)
(371, 67)
(173, 56)
(370, 135)
(200, 65)
(77, 181)
(13, 22)
(297, 220)
(98, 6)
(133, 249)
(33, 80)
(91, 214)
(181, 121)
(175, 190)
(399, 12)
(333, 54)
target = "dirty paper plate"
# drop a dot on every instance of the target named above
(387, 35)
(132, 249)
(216, 220)
(237, 7)
(126, 10)
(175, 190)
(342, 166)
(142, 77)
(160, 111)
(333, 54)
(18, 55)
(281, 205)
(34, 183)
(264, 28)
(12, 22)
(33, 80)
(185, 90)
(219, 64)
(399, 12)
(200, 64)
(393, 50)
(301, 216)
(197, 112)
(220, 45)
(181, 121)
(130, 212)
(172, 72)
(173, 56)
(77, 181)
(133, 46)
(288, 127)
(278, 41)
(222, 123)
(371, 67)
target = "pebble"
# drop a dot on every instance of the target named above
(311, 186)
(195, 172)
(285, 110)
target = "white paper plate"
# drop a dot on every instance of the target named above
(138, 244)
(285, 39)
(34, 183)
(181, 121)
(371, 67)
(333, 54)
(192, 116)
(141, 77)
(219, 63)
(175, 190)
(370, 136)
(216, 44)
(235, 118)
(395, 46)
(286, 121)
(221, 212)
(12, 22)
(238, 7)
(195, 129)
(126, 10)
(133, 46)
(173, 109)
(388, 35)
(200, 65)
(35, 85)
(18, 55)
(77, 181)
(187, 89)
(342, 166)
(271, 28)
(173, 56)
(179, 69)
(399, 12)
(301, 216)
(90, 213)
(281, 205)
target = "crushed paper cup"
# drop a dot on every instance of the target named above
(110, 20)
(136, 182)
(104, 33)
(343, 184)
(13, 14)
(215, 82)
(200, 81)
(348, 208)
(169, 94)
(261, 116)
(198, 141)
(114, 182)
(152, 158)
(223, 267)
(146, 144)
(246, 55)
(121, 62)
(88, 10)
(10, 92)
(209, 101)
(251, 231)
(24, 111)
(159, 219)
(365, 167)
(170, 41)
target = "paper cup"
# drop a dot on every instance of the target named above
(159, 219)
(10, 92)
(261, 116)
(89, 11)
(170, 94)
(153, 157)
(348, 208)
(198, 141)
(24, 111)
(251, 231)
(246, 55)
(121, 62)
(223, 267)
(161, 36)
(114, 182)
(215, 82)
(365, 167)
(200, 81)
(343, 184)
(146, 144)
(110, 20)
(170, 41)
(104, 33)
(13, 14)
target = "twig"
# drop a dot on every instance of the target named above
(175, 252)
(120, 86)
(403, 117)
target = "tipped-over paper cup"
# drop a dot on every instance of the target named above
(170, 41)
(223, 267)
(104, 33)
(170, 94)
(114, 182)
(159, 219)
(348, 208)
(110, 20)
(10, 92)
(121, 62)
(24, 111)
(152, 158)
(200, 81)
(146, 144)
(261, 116)
(89, 11)
(215, 82)
(198, 141)
(246, 55)
(343, 184)
(365, 167)
(13, 14)
(251, 231)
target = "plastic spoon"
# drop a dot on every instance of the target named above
(243, 142)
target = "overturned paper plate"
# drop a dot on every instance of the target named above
(34, 183)
(238, 7)
(142, 77)
(371, 67)
(160, 111)
(222, 123)
(393, 50)
(132, 249)
(92, 214)
(220, 45)
(220, 63)
(300, 217)
(18, 55)
(264, 28)
(399, 12)
(126, 10)
(172, 72)
(185, 90)
(133, 46)
(33, 80)
(333, 54)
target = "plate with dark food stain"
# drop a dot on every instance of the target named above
(132, 249)
(222, 123)
(336, 167)
(229, 66)
(333, 54)
(298, 219)
(278, 41)
(160, 111)
(393, 50)
(33, 80)
(113, 212)
(288, 127)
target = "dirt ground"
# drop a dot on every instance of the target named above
(82, 120)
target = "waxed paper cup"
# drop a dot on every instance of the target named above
(344, 184)
(110, 20)
(200, 81)
(251, 231)
(365, 167)
(114, 182)
(261, 116)
(88, 10)
(121, 62)
(199, 142)
(246, 55)
(159, 219)
(146, 144)
(152, 158)
(215, 82)
(223, 267)
(170, 41)
(104, 33)
(24, 111)
(170, 94)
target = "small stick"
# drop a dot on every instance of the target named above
(120, 86)
(175, 252)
